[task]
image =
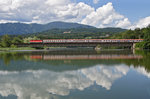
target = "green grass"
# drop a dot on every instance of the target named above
(19, 48)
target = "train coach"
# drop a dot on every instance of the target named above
(85, 40)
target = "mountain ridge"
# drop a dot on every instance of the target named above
(22, 28)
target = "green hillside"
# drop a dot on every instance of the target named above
(77, 33)
(21, 28)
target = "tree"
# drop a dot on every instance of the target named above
(16, 40)
(6, 41)
(27, 40)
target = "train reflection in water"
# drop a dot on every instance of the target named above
(82, 57)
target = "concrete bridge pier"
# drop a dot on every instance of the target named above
(133, 46)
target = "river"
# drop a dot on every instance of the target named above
(75, 74)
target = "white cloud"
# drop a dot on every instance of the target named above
(123, 23)
(95, 1)
(106, 16)
(42, 11)
(141, 23)
(45, 11)
(57, 2)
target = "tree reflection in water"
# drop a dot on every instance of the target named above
(36, 75)
(80, 58)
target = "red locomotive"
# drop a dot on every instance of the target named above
(36, 41)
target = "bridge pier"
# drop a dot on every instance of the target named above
(133, 46)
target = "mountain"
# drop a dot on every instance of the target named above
(77, 33)
(21, 28)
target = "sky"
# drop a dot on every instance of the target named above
(128, 14)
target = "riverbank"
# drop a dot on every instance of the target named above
(19, 48)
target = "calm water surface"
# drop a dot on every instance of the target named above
(75, 74)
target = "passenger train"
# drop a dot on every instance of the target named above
(85, 40)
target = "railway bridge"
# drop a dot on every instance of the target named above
(129, 43)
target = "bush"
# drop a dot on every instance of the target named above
(13, 46)
(143, 45)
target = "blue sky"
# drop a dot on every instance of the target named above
(133, 9)
(99, 13)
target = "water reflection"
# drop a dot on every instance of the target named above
(30, 76)
(25, 84)
(81, 57)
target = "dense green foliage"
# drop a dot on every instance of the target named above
(7, 41)
(27, 39)
(145, 44)
(138, 33)
(17, 40)
(77, 33)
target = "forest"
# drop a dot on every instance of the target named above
(81, 33)
(138, 33)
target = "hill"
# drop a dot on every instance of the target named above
(77, 33)
(21, 28)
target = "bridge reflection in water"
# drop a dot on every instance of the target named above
(82, 57)
(88, 76)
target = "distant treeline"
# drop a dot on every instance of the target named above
(77, 33)
(138, 33)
